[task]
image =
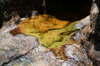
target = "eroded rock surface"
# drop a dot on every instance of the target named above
(12, 47)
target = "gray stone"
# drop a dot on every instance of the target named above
(83, 22)
(12, 47)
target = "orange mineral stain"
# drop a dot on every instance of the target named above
(3, 58)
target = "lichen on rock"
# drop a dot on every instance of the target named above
(44, 23)
(41, 26)
(67, 40)
(26, 27)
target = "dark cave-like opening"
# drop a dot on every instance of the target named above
(70, 10)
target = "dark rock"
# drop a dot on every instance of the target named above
(24, 8)
(68, 9)
(90, 35)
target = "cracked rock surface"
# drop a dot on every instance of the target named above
(12, 47)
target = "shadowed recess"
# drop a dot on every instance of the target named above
(70, 10)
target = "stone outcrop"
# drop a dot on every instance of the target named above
(14, 45)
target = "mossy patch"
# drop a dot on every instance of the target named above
(67, 40)
(53, 38)
(57, 46)
(44, 23)
(26, 27)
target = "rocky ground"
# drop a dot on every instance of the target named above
(25, 50)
